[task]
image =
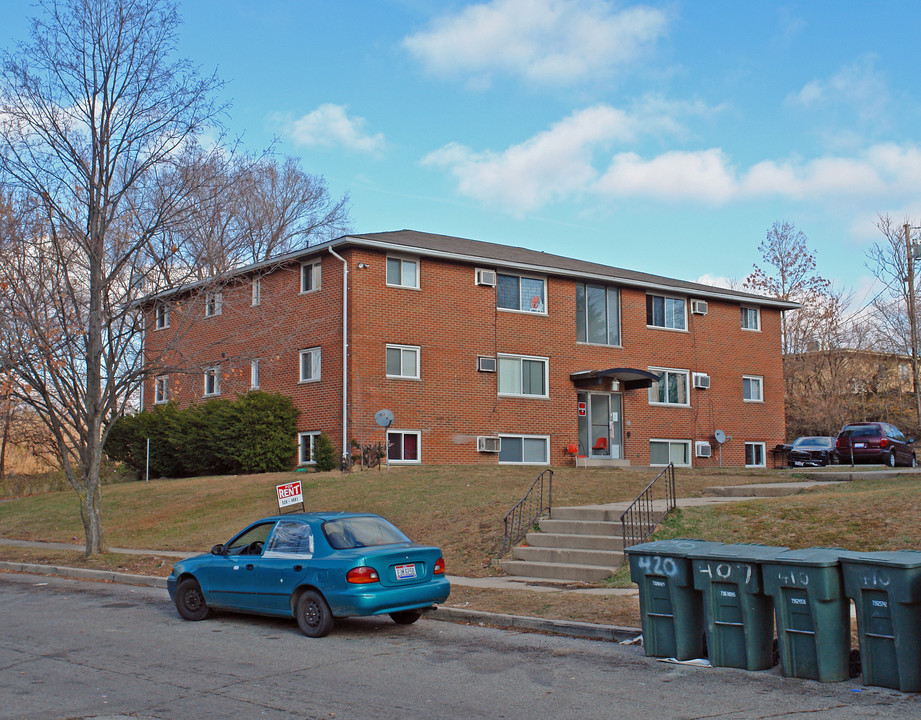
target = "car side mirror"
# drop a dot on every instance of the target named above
(910, 440)
(217, 549)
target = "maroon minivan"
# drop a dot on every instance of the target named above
(875, 442)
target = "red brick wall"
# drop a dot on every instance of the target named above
(453, 321)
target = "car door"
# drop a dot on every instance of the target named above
(285, 561)
(233, 577)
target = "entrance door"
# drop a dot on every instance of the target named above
(601, 428)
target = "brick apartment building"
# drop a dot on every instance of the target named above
(483, 353)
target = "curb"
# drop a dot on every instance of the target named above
(569, 628)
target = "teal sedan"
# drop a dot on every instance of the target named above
(315, 567)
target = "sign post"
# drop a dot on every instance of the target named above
(290, 494)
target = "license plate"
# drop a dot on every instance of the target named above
(798, 463)
(406, 572)
(860, 445)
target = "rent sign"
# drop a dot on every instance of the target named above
(289, 494)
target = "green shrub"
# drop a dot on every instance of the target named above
(324, 454)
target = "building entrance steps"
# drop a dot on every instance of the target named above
(586, 543)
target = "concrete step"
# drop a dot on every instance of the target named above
(575, 540)
(569, 556)
(556, 571)
(581, 527)
(606, 513)
(761, 489)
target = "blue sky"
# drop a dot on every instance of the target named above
(665, 137)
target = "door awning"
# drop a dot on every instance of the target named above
(631, 378)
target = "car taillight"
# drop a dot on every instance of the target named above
(439, 566)
(362, 575)
(883, 442)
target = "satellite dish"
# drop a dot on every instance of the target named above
(384, 418)
(719, 436)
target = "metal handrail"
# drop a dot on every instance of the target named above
(527, 511)
(640, 519)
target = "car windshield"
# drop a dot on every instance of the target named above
(362, 531)
(813, 442)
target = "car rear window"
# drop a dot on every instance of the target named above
(864, 431)
(355, 532)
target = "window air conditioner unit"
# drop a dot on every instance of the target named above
(701, 381)
(486, 277)
(488, 444)
(702, 449)
(699, 307)
(486, 364)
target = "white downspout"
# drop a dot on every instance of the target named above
(345, 352)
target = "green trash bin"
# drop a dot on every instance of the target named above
(738, 616)
(812, 612)
(886, 589)
(670, 607)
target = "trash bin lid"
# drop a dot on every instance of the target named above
(740, 552)
(889, 558)
(679, 547)
(813, 557)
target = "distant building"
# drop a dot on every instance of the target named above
(485, 354)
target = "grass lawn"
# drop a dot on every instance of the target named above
(461, 510)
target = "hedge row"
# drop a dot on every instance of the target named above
(252, 434)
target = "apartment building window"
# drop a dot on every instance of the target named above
(214, 301)
(751, 318)
(403, 446)
(522, 375)
(403, 362)
(254, 375)
(663, 452)
(671, 388)
(213, 381)
(517, 292)
(597, 314)
(162, 316)
(257, 291)
(305, 447)
(754, 454)
(161, 389)
(310, 277)
(310, 365)
(524, 449)
(666, 312)
(752, 390)
(402, 272)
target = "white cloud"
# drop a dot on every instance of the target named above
(329, 126)
(703, 175)
(858, 86)
(554, 42)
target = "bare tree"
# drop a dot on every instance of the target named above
(95, 115)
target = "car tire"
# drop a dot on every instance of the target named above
(891, 460)
(406, 617)
(314, 617)
(190, 600)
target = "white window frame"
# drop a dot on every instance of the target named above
(540, 309)
(664, 372)
(747, 381)
(582, 328)
(414, 350)
(756, 446)
(214, 304)
(213, 372)
(510, 436)
(315, 365)
(671, 441)
(665, 300)
(162, 316)
(254, 374)
(161, 389)
(256, 291)
(311, 438)
(403, 261)
(311, 276)
(748, 313)
(504, 358)
(401, 433)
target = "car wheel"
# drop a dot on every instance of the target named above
(406, 617)
(190, 600)
(313, 615)
(890, 461)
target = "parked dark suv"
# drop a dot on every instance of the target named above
(875, 442)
